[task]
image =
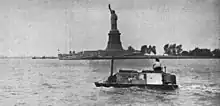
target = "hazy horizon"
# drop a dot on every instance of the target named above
(37, 28)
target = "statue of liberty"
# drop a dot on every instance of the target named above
(114, 18)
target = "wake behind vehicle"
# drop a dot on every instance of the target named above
(156, 79)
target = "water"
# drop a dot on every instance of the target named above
(27, 82)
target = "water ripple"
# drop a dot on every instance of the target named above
(63, 83)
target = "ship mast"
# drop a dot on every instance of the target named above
(86, 20)
(66, 43)
(67, 31)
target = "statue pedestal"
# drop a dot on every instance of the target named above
(114, 41)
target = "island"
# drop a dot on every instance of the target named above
(114, 49)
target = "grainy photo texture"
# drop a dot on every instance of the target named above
(109, 52)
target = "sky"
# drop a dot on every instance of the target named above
(41, 27)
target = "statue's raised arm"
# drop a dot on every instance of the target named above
(113, 18)
(109, 6)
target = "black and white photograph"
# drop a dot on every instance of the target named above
(110, 52)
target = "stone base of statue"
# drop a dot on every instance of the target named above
(114, 41)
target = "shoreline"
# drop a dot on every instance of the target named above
(117, 57)
(142, 57)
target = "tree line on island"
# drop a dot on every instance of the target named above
(144, 49)
(176, 50)
(173, 49)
